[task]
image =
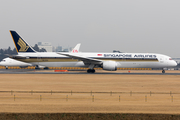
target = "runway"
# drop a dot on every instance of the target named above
(119, 72)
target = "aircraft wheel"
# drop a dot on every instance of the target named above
(37, 67)
(93, 71)
(46, 68)
(90, 71)
(6, 67)
(163, 71)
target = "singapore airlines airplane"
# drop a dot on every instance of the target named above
(106, 61)
(9, 62)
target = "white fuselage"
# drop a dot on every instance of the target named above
(123, 60)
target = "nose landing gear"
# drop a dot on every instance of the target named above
(163, 71)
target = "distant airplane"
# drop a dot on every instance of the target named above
(106, 61)
(9, 62)
(12, 62)
(76, 48)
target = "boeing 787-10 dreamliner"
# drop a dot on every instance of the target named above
(91, 60)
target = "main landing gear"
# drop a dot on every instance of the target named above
(90, 71)
(37, 67)
(46, 68)
(163, 71)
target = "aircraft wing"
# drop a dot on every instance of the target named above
(17, 57)
(82, 58)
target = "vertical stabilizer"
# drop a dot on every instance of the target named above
(76, 48)
(20, 44)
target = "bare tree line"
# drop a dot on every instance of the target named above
(6, 52)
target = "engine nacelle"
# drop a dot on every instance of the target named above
(109, 65)
(39, 67)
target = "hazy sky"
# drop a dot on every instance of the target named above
(148, 26)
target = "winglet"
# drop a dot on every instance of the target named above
(76, 48)
(20, 44)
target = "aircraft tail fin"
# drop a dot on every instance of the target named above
(20, 44)
(76, 48)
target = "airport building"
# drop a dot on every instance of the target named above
(61, 49)
(58, 48)
(46, 45)
(66, 50)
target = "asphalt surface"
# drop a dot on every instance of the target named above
(27, 71)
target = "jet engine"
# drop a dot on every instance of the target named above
(39, 67)
(109, 65)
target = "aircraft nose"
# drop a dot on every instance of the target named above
(173, 63)
(1, 63)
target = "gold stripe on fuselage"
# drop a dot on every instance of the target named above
(48, 60)
(29, 60)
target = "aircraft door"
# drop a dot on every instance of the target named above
(10, 61)
(38, 58)
(161, 59)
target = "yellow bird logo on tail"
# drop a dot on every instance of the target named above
(22, 44)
